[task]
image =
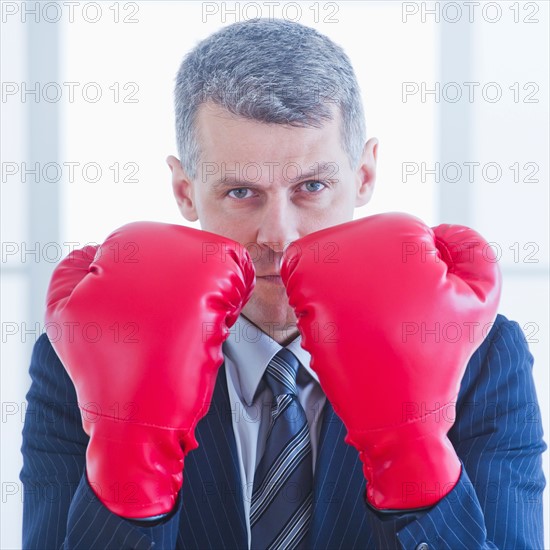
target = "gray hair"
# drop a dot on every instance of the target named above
(271, 71)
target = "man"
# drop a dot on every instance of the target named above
(272, 150)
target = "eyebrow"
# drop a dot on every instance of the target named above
(319, 171)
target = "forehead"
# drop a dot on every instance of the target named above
(224, 137)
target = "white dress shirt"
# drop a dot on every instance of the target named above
(247, 353)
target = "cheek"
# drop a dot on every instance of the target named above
(340, 210)
(215, 219)
(343, 207)
(236, 229)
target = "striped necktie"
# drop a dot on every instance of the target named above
(282, 497)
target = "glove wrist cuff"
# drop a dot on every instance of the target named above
(413, 467)
(136, 471)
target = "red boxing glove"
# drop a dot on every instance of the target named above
(143, 319)
(391, 319)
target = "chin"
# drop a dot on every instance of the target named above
(271, 311)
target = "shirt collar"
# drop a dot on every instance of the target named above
(250, 350)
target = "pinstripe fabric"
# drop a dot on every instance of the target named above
(53, 450)
(339, 517)
(499, 440)
(60, 509)
(212, 515)
(496, 504)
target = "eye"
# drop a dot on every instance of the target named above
(313, 186)
(239, 193)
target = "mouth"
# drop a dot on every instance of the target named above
(273, 279)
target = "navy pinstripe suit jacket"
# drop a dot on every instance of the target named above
(496, 504)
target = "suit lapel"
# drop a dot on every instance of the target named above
(339, 515)
(213, 515)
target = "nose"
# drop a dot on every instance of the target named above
(279, 224)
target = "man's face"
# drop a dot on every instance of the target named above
(266, 185)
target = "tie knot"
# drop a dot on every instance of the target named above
(281, 373)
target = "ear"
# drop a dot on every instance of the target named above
(366, 173)
(183, 190)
